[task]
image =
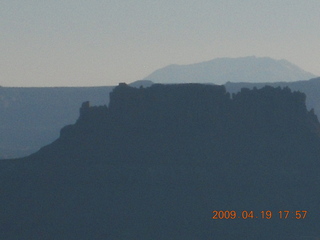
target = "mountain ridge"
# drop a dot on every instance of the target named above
(23, 116)
(222, 70)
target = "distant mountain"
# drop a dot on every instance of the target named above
(157, 162)
(222, 70)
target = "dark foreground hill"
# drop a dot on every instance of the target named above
(156, 162)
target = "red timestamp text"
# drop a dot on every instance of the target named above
(283, 214)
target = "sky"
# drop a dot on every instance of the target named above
(46, 43)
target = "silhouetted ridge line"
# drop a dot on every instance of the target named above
(200, 120)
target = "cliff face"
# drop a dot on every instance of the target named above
(157, 161)
(22, 116)
(166, 122)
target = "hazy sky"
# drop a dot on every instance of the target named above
(96, 43)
